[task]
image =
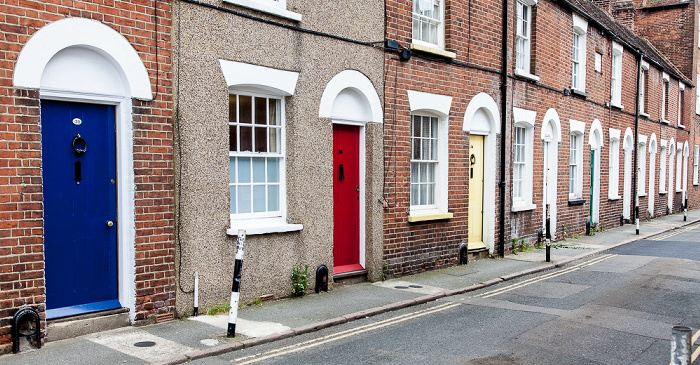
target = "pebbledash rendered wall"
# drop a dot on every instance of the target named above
(139, 34)
(212, 40)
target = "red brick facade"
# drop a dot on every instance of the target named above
(21, 210)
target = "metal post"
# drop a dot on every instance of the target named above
(680, 345)
(236, 286)
(636, 217)
(685, 206)
(548, 237)
(196, 294)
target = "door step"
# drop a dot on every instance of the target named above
(350, 277)
(478, 254)
(83, 324)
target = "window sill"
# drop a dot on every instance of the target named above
(681, 126)
(414, 218)
(526, 75)
(616, 197)
(643, 114)
(270, 9)
(522, 207)
(577, 201)
(662, 193)
(662, 120)
(695, 184)
(262, 226)
(579, 93)
(617, 106)
(642, 195)
(436, 51)
(679, 190)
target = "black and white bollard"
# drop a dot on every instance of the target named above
(680, 345)
(236, 287)
(685, 206)
(196, 294)
(636, 218)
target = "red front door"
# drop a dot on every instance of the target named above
(346, 198)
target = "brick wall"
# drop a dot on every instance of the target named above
(21, 213)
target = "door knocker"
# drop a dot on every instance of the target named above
(79, 145)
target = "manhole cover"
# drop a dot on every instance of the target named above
(415, 286)
(400, 287)
(145, 344)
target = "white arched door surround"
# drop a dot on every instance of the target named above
(482, 117)
(628, 148)
(671, 190)
(652, 174)
(686, 153)
(350, 99)
(551, 136)
(82, 60)
(595, 140)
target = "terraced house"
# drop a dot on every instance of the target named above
(364, 139)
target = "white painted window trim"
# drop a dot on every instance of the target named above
(614, 165)
(274, 7)
(644, 77)
(525, 71)
(577, 128)
(681, 91)
(696, 156)
(437, 105)
(616, 87)
(580, 26)
(441, 28)
(641, 165)
(664, 96)
(663, 153)
(263, 81)
(526, 118)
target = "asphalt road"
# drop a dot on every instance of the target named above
(614, 308)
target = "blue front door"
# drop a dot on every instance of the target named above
(80, 210)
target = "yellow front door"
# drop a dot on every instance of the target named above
(476, 192)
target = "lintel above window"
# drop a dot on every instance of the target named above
(274, 7)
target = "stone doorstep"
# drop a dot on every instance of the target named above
(74, 326)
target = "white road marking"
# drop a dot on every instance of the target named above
(340, 335)
(543, 277)
(124, 340)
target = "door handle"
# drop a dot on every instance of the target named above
(341, 172)
(110, 223)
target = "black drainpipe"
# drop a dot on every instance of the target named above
(504, 105)
(635, 199)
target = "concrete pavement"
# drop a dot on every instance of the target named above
(178, 341)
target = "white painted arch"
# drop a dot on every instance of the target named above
(652, 174)
(628, 148)
(351, 96)
(595, 140)
(87, 34)
(551, 136)
(483, 118)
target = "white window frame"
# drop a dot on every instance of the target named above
(440, 26)
(578, 54)
(681, 104)
(523, 39)
(598, 66)
(679, 167)
(432, 161)
(274, 7)
(428, 104)
(642, 165)
(665, 91)
(614, 165)
(247, 79)
(643, 90)
(616, 75)
(696, 156)
(525, 119)
(577, 130)
(663, 162)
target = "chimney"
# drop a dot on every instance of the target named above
(623, 12)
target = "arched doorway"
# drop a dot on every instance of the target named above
(86, 74)
(551, 136)
(595, 140)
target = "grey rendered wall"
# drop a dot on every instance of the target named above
(201, 97)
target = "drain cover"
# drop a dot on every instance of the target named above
(145, 344)
(400, 287)
(415, 286)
